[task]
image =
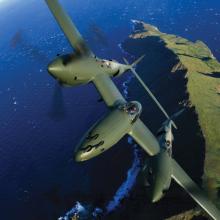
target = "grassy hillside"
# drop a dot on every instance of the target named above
(203, 86)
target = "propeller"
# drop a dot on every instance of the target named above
(148, 90)
(78, 44)
(57, 109)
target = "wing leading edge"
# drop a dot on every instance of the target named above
(181, 177)
(111, 95)
(68, 27)
(109, 92)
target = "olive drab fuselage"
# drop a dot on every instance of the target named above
(72, 69)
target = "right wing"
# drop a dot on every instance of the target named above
(68, 28)
(143, 136)
(181, 177)
(109, 92)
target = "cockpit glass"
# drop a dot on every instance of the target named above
(107, 63)
(132, 108)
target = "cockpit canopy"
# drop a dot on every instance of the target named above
(132, 108)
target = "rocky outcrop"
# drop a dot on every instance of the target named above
(180, 73)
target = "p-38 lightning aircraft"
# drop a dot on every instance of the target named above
(162, 168)
(82, 67)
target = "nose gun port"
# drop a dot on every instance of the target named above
(78, 157)
(55, 68)
(50, 68)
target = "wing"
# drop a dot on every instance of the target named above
(109, 92)
(143, 136)
(181, 177)
(68, 28)
(111, 95)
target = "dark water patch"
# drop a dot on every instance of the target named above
(200, 218)
(189, 145)
(111, 175)
(218, 192)
(53, 196)
(157, 59)
(138, 206)
(206, 59)
(155, 70)
(213, 74)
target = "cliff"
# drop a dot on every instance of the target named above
(180, 73)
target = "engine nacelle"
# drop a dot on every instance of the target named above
(108, 131)
(160, 171)
(65, 69)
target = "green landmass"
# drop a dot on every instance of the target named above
(180, 73)
(203, 74)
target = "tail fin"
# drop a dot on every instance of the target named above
(136, 61)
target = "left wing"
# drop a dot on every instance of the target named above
(109, 92)
(181, 177)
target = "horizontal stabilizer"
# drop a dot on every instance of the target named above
(137, 61)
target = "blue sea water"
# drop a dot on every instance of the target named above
(38, 178)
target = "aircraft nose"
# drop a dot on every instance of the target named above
(155, 197)
(79, 157)
(55, 68)
(157, 194)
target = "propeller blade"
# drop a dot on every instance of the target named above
(68, 27)
(32, 51)
(136, 61)
(57, 111)
(16, 39)
(149, 92)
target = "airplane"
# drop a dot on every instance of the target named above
(162, 168)
(82, 67)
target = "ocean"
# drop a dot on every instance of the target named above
(38, 177)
